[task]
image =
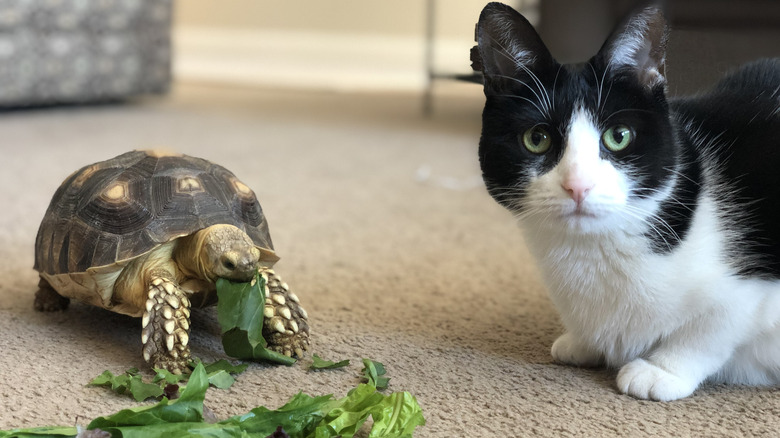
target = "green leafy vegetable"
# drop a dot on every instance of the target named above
(373, 372)
(320, 364)
(37, 432)
(159, 420)
(223, 365)
(394, 416)
(168, 377)
(279, 433)
(397, 415)
(130, 382)
(240, 313)
(218, 375)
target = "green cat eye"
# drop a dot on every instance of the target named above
(537, 140)
(617, 137)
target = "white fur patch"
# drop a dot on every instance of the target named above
(669, 320)
(581, 161)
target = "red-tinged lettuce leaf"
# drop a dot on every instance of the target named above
(280, 433)
(240, 314)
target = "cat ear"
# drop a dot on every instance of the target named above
(640, 43)
(507, 43)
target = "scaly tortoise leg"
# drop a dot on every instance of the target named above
(286, 324)
(166, 326)
(47, 299)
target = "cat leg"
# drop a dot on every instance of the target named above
(572, 351)
(683, 360)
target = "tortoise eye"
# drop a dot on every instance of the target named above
(228, 264)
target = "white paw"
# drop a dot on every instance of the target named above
(642, 379)
(568, 350)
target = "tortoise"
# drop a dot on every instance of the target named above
(147, 234)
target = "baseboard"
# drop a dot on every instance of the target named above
(311, 60)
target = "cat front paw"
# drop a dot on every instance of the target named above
(569, 350)
(641, 379)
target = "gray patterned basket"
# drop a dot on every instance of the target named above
(78, 51)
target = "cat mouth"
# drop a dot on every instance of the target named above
(579, 211)
(579, 214)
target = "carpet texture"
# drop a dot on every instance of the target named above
(387, 235)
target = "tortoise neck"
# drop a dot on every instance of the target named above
(188, 255)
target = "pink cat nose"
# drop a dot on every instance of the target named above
(578, 188)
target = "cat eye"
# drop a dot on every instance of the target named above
(537, 140)
(617, 137)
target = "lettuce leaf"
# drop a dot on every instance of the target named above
(394, 416)
(38, 432)
(321, 364)
(164, 418)
(131, 382)
(128, 383)
(373, 372)
(240, 314)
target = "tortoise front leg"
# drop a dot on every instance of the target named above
(286, 324)
(166, 325)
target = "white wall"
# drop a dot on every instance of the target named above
(330, 44)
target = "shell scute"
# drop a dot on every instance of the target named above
(120, 208)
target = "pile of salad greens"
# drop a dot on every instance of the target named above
(304, 416)
(181, 412)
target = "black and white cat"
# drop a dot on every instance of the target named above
(655, 222)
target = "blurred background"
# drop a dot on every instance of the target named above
(59, 51)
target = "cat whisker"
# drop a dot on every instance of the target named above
(682, 175)
(555, 81)
(603, 76)
(648, 219)
(545, 111)
(546, 103)
(627, 110)
(512, 96)
(598, 84)
(540, 87)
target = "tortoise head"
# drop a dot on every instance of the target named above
(226, 251)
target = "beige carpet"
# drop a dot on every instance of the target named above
(387, 235)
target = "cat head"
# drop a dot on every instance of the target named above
(588, 146)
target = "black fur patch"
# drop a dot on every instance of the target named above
(740, 122)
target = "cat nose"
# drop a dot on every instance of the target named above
(578, 188)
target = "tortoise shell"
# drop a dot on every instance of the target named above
(121, 208)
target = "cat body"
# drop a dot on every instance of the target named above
(655, 223)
